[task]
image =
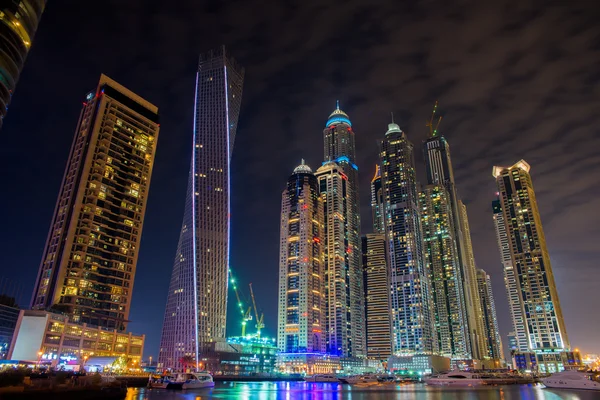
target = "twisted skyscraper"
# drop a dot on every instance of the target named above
(197, 301)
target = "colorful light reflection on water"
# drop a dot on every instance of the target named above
(331, 391)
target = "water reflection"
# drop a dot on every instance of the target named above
(335, 391)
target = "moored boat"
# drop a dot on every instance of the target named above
(455, 378)
(194, 380)
(571, 380)
(322, 378)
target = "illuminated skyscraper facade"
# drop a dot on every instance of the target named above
(410, 300)
(443, 267)
(339, 147)
(91, 253)
(536, 295)
(301, 318)
(519, 334)
(336, 193)
(377, 294)
(196, 308)
(438, 164)
(488, 306)
(377, 202)
(18, 22)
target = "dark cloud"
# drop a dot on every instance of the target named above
(514, 79)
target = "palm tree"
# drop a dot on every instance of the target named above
(185, 361)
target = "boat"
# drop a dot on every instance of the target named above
(159, 382)
(356, 379)
(571, 380)
(321, 378)
(455, 378)
(194, 380)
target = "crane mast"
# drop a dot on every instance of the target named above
(246, 313)
(259, 319)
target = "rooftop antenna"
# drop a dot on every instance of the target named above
(434, 125)
(302, 162)
(392, 117)
(337, 104)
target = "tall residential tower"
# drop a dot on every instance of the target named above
(488, 305)
(18, 22)
(535, 308)
(90, 258)
(438, 162)
(301, 322)
(410, 300)
(197, 300)
(339, 147)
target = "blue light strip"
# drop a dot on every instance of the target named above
(338, 120)
(343, 159)
(194, 219)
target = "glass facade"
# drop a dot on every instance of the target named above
(438, 163)
(196, 308)
(494, 344)
(19, 20)
(377, 312)
(339, 146)
(535, 307)
(443, 268)
(336, 193)
(377, 202)
(410, 300)
(91, 253)
(301, 319)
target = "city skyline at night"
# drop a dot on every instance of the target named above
(508, 92)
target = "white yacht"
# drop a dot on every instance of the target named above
(322, 378)
(195, 380)
(455, 378)
(159, 382)
(571, 380)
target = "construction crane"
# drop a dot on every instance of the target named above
(432, 124)
(259, 319)
(246, 314)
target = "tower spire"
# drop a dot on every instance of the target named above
(337, 104)
(392, 116)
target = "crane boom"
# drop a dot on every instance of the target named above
(259, 319)
(434, 125)
(246, 315)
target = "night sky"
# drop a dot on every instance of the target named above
(513, 82)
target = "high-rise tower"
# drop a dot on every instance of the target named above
(376, 286)
(90, 258)
(18, 22)
(339, 147)
(197, 300)
(377, 202)
(442, 265)
(510, 279)
(492, 334)
(336, 193)
(440, 172)
(410, 301)
(301, 322)
(536, 295)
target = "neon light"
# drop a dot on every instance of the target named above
(343, 159)
(194, 220)
(338, 120)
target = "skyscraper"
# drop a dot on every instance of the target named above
(18, 22)
(410, 301)
(510, 281)
(377, 202)
(301, 322)
(336, 193)
(536, 295)
(339, 147)
(443, 266)
(438, 163)
(91, 253)
(377, 314)
(197, 300)
(491, 333)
